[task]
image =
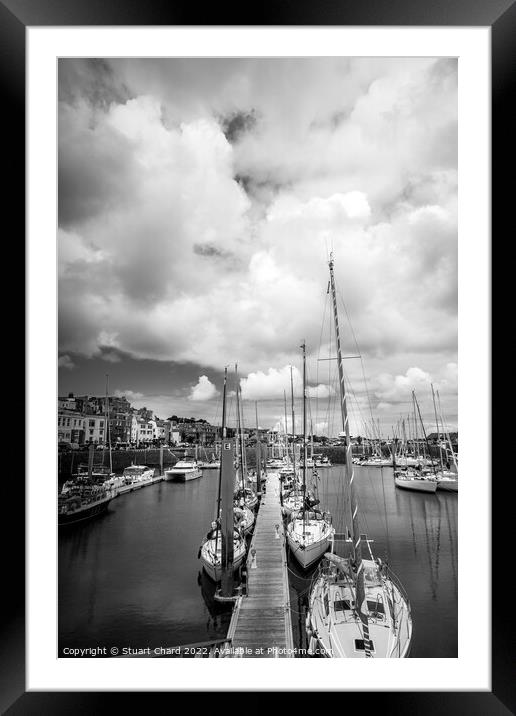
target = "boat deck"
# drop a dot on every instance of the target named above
(261, 624)
(138, 485)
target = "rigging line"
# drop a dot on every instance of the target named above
(359, 352)
(323, 323)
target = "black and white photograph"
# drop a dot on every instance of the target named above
(257, 409)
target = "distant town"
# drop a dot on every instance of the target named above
(111, 421)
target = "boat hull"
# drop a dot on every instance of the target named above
(417, 485)
(448, 485)
(332, 626)
(308, 555)
(83, 514)
(182, 476)
(307, 551)
(214, 571)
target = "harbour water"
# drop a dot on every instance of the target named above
(131, 578)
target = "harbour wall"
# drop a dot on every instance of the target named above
(68, 462)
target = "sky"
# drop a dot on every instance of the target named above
(199, 202)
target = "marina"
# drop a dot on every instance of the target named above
(132, 577)
(280, 334)
(278, 519)
(261, 625)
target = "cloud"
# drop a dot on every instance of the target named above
(320, 391)
(204, 390)
(273, 383)
(65, 362)
(199, 199)
(111, 357)
(131, 395)
(398, 388)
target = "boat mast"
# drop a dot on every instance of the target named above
(447, 432)
(222, 437)
(107, 434)
(416, 433)
(424, 432)
(303, 347)
(239, 431)
(437, 428)
(227, 522)
(258, 454)
(293, 423)
(349, 472)
(286, 423)
(226, 501)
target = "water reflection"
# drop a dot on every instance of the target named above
(132, 577)
(416, 534)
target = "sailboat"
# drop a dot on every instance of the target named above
(224, 548)
(291, 488)
(447, 479)
(209, 463)
(419, 478)
(309, 530)
(357, 609)
(243, 493)
(85, 498)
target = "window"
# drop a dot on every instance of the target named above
(359, 645)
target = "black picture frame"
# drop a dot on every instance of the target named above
(15, 17)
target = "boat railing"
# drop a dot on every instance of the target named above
(399, 586)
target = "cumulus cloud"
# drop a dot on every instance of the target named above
(131, 395)
(398, 388)
(319, 391)
(204, 390)
(199, 199)
(66, 362)
(111, 357)
(271, 383)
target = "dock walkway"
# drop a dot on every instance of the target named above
(261, 623)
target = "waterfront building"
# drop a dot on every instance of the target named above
(120, 424)
(70, 426)
(144, 414)
(199, 432)
(162, 431)
(145, 431)
(95, 429)
(67, 403)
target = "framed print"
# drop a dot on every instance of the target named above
(199, 197)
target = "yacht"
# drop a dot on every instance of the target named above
(183, 471)
(135, 474)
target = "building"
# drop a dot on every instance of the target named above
(162, 432)
(145, 431)
(70, 426)
(199, 432)
(95, 429)
(144, 414)
(68, 403)
(120, 426)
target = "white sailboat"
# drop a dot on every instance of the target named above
(243, 493)
(224, 548)
(357, 609)
(418, 478)
(309, 532)
(447, 479)
(413, 480)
